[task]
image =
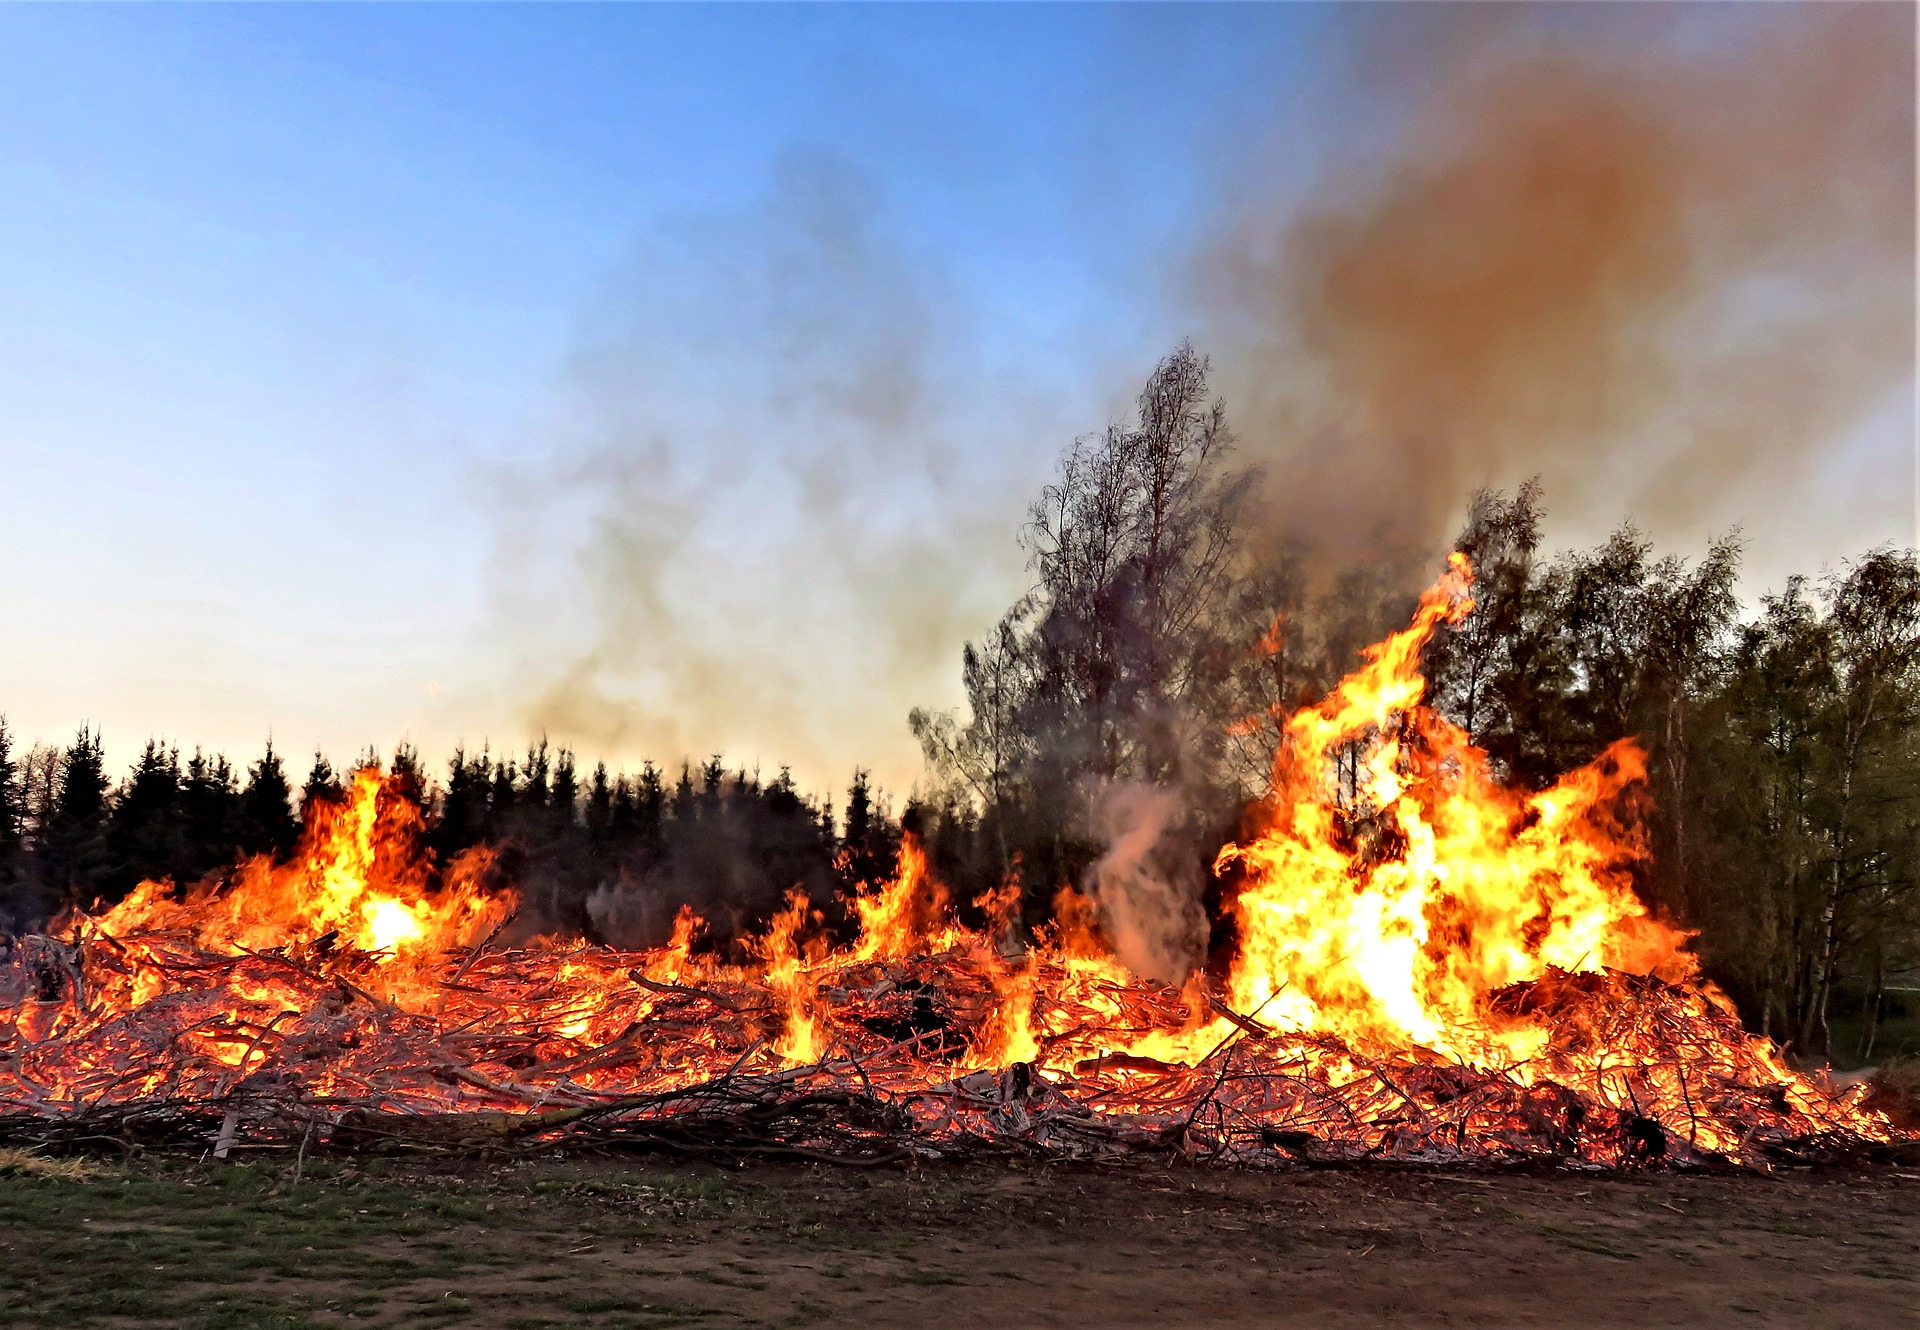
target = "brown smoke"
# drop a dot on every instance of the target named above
(1667, 268)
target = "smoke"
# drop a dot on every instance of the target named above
(755, 534)
(1663, 260)
(731, 853)
(711, 867)
(1151, 907)
(631, 915)
(1659, 256)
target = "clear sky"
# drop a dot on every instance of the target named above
(669, 378)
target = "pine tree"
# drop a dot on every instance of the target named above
(146, 830)
(322, 785)
(266, 824)
(75, 850)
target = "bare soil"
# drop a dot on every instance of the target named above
(623, 1243)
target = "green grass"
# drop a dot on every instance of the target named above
(251, 1246)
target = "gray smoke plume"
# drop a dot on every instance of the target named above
(1149, 894)
(756, 533)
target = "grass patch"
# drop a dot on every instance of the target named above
(82, 1244)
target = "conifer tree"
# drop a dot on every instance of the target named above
(599, 808)
(464, 817)
(146, 834)
(409, 775)
(868, 844)
(13, 809)
(210, 814)
(564, 798)
(74, 850)
(267, 825)
(322, 785)
(502, 797)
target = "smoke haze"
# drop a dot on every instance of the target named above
(1660, 257)
(761, 538)
(1668, 268)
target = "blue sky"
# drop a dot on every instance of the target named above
(340, 345)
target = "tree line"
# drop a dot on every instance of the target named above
(605, 854)
(1164, 632)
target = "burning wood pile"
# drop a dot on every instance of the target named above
(1429, 967)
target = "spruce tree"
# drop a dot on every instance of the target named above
(146, 831)
(322, 784)
(13, 809)
(502, 797)
(683, 800)
(14, 897)
(463, 811)
(599, 810)
(267, 824)
(75, 849)
(564, 799)
(533, 777)
(210, 813)
(650, 807)
(869, 844)
(408, 774)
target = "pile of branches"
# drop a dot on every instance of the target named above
(294, 1051)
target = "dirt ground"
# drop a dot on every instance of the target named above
(620, 1243)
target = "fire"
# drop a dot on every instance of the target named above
(1482, 887)
(908, 914)
(358, 880)
(788, 978)
(1429, 965)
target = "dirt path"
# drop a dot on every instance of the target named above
(613, 1243)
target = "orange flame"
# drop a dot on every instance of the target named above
(359, 880)
(907, 915)
(1478, 887)
(787, 978)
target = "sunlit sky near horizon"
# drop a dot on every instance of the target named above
(328, 335)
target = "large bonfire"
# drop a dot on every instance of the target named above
(1429, 967)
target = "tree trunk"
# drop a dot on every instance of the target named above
(1871, 1031)
(1677, 785)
